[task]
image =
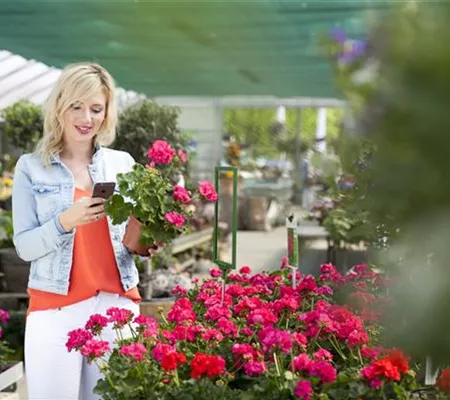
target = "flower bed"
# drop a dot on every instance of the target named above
(259, 338)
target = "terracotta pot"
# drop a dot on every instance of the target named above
(131, 239)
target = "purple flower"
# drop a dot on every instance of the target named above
(338, 35)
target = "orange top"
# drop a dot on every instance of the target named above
(94, 268)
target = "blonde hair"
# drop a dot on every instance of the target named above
(76, 83)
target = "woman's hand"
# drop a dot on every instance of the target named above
(157, 247)
(82, 212)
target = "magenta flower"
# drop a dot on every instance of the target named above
(93, 349)
(134, 350)
(161, 152)
(120, 316)
(181, 194)
(303, 390)
(96, 323)
(4, 316)
(175, 218)
(207, 190)
(77, 339)
(182, 156)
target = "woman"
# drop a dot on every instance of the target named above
(79, 265)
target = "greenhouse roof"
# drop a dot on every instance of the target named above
(189, 48)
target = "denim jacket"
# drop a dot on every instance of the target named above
(40, 194)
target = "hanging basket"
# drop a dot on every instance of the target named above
(131, 239)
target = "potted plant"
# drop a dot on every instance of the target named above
(157, 208)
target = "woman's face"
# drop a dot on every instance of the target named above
(83, 120)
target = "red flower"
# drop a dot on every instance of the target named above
(390, 367)
(161, 152)
(207, 191)
(245, 270)
(443, 383)
(205, 364)
(175, 218)
(172, 360)
(181, 194)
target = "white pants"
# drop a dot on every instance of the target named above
(52, 372)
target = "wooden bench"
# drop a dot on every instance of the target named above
(190, 243)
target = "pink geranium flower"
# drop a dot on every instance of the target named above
(161, 152)
(134, 350)
(207, 190)
(181, 194)
(175, 218)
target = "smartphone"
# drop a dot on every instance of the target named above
(104, 189)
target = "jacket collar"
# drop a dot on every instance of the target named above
(96, 157)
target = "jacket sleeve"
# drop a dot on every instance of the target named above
(32, 240)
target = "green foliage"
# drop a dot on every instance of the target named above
(254, 127)
(146, 122)
(6, 229)
(398, 154)
(145, 193)
(23, 125)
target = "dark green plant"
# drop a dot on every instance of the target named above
(14, 334)
(146, 122)
(6, 229)
(23, 125)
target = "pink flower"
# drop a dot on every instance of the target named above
(181, 194)
(262, 317)
(96, 323)
(179, 291)
(134, 350)
(207, 191)
(175, 218)
(120, 316)
(323, 355)
(302, 363)
(245, 270)
(4, 316)
(161, 152)
(93, 349)
(215, 272)
(146, 325)
(77, 339)
(369, 352)
(273, 338)
(255, 368)
(325, 371)
(300, 339)
(212, 334)
(182, 155)
(217, 311)
(160, 350)
(227, 327)
(303, 390)
(182, 312)
(284, 262)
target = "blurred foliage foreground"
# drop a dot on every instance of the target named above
(397, 149)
